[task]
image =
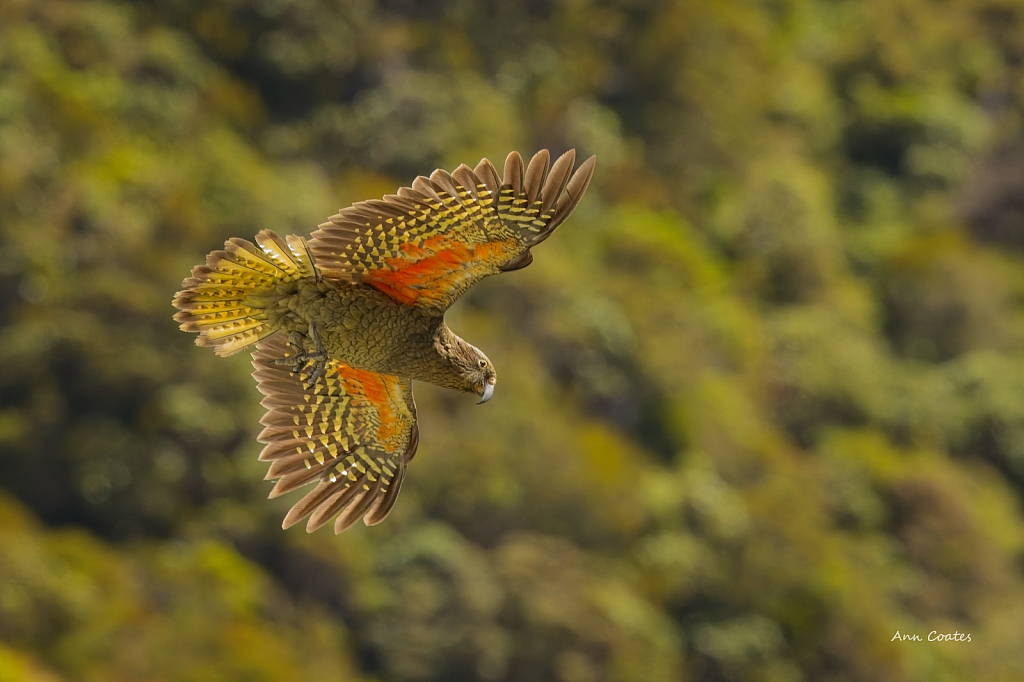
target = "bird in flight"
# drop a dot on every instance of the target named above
(344, 323)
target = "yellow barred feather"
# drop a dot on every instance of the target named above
(353, 432)
(428, 244)
(222, 299)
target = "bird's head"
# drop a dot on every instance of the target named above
(481, 377)
(476, 373)
(465, 368)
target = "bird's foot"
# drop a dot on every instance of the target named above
(312, 362)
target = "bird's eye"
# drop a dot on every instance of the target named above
(483, 364)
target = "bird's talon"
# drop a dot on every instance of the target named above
(312, 362)
(318, 368)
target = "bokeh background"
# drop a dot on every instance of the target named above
(761, 401)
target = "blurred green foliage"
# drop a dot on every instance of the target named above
(761, 401)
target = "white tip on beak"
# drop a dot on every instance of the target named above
(486, 395)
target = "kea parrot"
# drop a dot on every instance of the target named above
(343, 323)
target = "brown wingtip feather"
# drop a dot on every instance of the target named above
(356, 509)
(424, 187)
(340, 499)
(536, 173)
(307, 504)
(557, 178)
(291, 482)
(385, 501)
(467, 179)
(574, 190)
(513, 174)
(488, 175)
(443, 181)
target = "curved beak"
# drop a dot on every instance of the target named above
(486, 394)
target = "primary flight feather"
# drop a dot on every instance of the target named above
(343, 324)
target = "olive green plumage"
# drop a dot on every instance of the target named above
(345, 322)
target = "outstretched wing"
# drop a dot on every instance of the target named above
(353, 433)
(428, 244)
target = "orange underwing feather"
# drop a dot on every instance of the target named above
(352, 433)
(427, 244)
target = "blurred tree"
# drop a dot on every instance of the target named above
(761, 398)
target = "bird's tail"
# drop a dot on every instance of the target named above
(226, 300)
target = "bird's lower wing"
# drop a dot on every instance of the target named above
(352, 433)
(428, 244)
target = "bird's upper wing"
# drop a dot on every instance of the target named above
(428, 244)
(353, 433)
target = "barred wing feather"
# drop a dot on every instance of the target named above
(353, 433)
(429, 243)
